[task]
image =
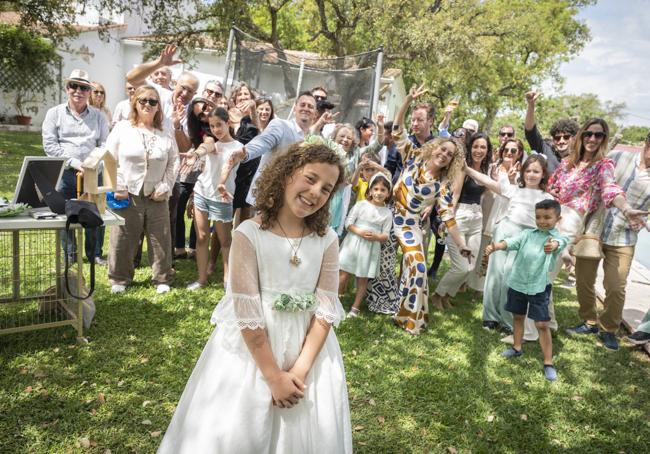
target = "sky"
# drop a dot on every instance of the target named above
(615, 64)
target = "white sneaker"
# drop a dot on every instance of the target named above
(118, 288)
(162, 288)
(195, 286)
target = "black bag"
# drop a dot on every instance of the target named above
(52, 198)
(84, 213)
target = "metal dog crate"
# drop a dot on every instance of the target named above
(32, 287)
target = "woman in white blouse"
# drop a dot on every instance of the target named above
(146, 155)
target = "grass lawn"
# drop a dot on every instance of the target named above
(445, 391)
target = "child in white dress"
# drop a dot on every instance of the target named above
(271, 377)
(368, 225)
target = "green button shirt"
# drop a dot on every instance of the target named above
(530, 270)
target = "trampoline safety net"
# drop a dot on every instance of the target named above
(282, 74)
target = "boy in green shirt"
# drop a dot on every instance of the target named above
(529, 284)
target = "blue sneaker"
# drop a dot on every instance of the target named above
(549, 372)
(609, 339)
(583, 328)
(512, 353)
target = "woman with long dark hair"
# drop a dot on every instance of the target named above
(469, 217)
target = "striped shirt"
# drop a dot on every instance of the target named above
(636, 184)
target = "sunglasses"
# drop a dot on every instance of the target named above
(511, 150)
(507, 134)
(98, 92)
(588, 134)
(74, 87)
(151, 102)
(216, 94)
(206, 108)
(320, 98)
(562, 136)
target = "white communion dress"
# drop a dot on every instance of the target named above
(226, 406)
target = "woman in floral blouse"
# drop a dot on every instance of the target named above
(583, 182)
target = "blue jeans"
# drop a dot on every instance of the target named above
(68, 187)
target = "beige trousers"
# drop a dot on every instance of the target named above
(616, 267)
(153, 217)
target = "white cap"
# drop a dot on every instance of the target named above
(471, 125)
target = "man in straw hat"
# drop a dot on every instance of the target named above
(72, 130)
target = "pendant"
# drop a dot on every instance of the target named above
(295, 260)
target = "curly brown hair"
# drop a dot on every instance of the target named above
(271, 184)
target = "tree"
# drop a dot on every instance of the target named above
(27, 66)
(578, 107)
(635, 135)
(488, 52)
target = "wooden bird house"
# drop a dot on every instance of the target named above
(92, 165)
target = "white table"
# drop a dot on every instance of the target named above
(32, 285)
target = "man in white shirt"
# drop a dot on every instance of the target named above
(279, 135)
(123, 108)
(72, 130)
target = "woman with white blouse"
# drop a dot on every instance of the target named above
(145, 154)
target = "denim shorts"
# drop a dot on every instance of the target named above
(535, 305)
(217, 211)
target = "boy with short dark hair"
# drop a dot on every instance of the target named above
(529, 283)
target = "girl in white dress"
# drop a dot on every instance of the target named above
(368, 225)
(271, 377)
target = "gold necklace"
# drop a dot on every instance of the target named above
(294, 260)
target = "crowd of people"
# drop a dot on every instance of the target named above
(275, 198)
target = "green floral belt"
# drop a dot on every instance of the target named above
(294, 303)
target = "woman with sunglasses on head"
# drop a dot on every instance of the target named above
(365, 129)
(198, 129)
(506, 162)
(584, 182)
(98, 100)
(145, 154)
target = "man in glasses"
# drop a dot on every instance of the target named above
(174, 103)
(72, 130)
(506, 132)
(563, 133)
(213, 91)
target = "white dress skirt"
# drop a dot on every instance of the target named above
(226, 406)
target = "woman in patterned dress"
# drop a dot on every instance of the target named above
(425, 181)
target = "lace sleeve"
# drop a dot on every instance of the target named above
(241, 306)
(329, 307)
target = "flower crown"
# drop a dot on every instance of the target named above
(313, 139)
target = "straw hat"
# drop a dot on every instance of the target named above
(78, 76)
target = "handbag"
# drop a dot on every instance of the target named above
(87, 215)
(589, 246)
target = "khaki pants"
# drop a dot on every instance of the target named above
(616, 267)
(153, 217)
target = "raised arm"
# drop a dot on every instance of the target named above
(530, 122)
(483, 180)
(139, 74)
(412, 95)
